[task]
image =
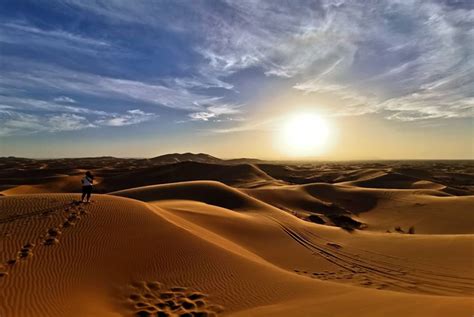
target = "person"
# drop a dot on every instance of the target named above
(87, 182)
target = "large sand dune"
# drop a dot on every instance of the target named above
(204, 248)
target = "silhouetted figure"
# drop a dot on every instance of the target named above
(87, 182)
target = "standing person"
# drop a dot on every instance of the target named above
(87, 182)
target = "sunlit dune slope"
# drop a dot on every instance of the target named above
(427, 211)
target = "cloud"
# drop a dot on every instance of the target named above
(57, 79)
(67, 122)
(27, 116)
(134, 116)
(64, 99)
(201, 81)
(14, 122)
(43, 42)
(37, 105)
(11, 31)
(353, 102)
(214, 112)
(201, 116)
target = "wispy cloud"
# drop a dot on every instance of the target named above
(12, 32)
(66, 122)
(14, 122)
(134, 116)
(26, 116)
(38, 105)
(56, 79)
(64, 99)
(215, 112)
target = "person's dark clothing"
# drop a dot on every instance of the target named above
(87, 182)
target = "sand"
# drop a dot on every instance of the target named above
(241, 244)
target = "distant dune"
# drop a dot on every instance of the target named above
(200, 237)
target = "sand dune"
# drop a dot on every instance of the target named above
(394, 180)
(136, 256)
(237, 175)
(209, 192)
(233, 240)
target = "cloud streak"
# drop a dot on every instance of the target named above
(57, 79)
(28, 116)
(12, 32)
(215, 112)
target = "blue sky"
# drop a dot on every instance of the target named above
(196, 75)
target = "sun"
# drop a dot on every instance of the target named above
(304, 134)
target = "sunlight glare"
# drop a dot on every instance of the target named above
(304, 134)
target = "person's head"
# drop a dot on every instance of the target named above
(89, 174)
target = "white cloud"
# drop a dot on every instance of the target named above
(37, 105)
(67, 122)
(134, 116)
(353, 102)
(15, 121)
(11, 31)
(57, 79)
(203, 81)
(215, 111)
(202, 116)
(64, 99)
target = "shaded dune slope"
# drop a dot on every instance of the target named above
(238, 175)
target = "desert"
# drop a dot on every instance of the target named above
(236, 238)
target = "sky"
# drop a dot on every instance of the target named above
(392, 79)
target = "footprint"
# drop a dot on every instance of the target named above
(149, 296)
(11, 262)
(135, 297)
(188, 305)
(200, 303)
(50, 241)
(166, 295)
(24, 253)
(154, 285)
(54, 232)
(68, 224)
(195, 296)
(154, 299)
